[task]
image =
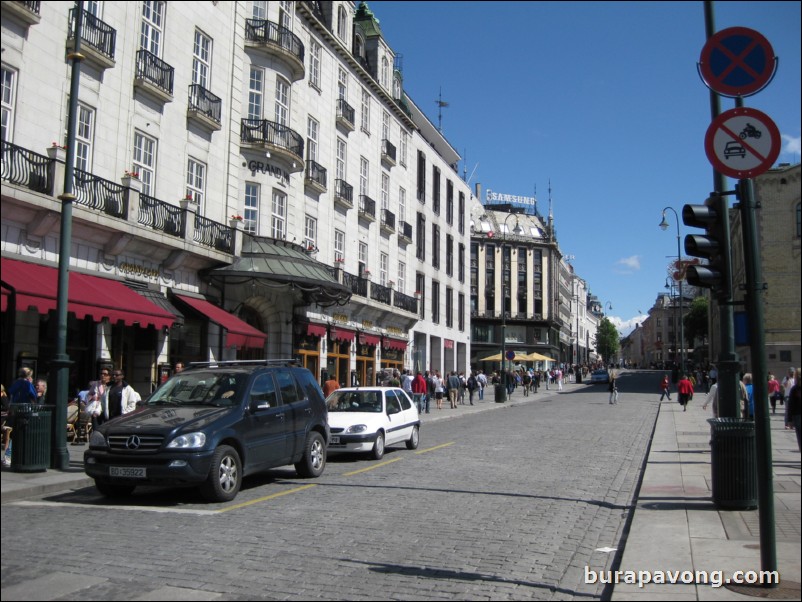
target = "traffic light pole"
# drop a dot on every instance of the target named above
(727, 364)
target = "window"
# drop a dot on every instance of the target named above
(279, 210)
(310, 232)
(421, 177)
(403, 150)
(449, 307)
(461, 312)
(384, 265)
(314, 64)
(362, 256)
(420, 241)
(365, 111)
(364, 173)
(8, 81)
(312, 129)
(385, 191)
(341, 156)
(259, 9)
(401, 282)
(339, 246)
(402, 205)
(461, 263)
(285, 14)
(145, 162)
(196, 182)
(449, 255)
(461, 212)
(385, 73)
(342, 85)
(150, 36)
(449, 202)
(201, 60)
(436, 189)
(385, 125)
(83, 138)
(397, 88)
(435, 246)
(435, 302)
(251, 222)
(282, 101)
(342, 24)
(256, 89)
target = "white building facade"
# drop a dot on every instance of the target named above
(250, 172)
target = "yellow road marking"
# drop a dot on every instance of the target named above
(423, 451)
(348, 474)
(265, 498)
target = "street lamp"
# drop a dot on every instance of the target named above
(670, 289)
(517, 230)
(679, 272)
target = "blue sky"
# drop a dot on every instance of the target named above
(603, 100)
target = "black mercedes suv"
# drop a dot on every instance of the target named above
(210, 426)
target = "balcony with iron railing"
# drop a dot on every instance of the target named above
(277, 42)
(316, 176)
(98, 40)
(345, 115)
(154, 76)
(404, 232)
(96, 199)
(26, 12)
(367, 208)
(360, 286)
(388, 153)
(204, 108)
(343, 194)
(388, 221)
(275, 138)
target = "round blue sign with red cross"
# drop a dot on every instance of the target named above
(737, 61)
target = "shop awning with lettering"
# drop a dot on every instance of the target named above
(33, 285)
(240, 333)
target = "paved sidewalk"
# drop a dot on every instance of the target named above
(675, 526)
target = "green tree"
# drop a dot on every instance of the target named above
(695, 322)
(607, 341)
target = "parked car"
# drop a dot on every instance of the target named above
(368, 419)
(210, 426)
(599, 376)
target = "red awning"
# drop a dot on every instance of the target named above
(240, 334)
(370, 339)
(315, 330)
(394, 344)
(36, 286)
(339, 334)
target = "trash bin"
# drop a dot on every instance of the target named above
(579, 376)
(501, 393)
(30, 439)
(733, 463)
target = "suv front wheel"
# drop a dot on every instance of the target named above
(225, 475)
(313, 461)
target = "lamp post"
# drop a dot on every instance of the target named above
(670, 289)
(502, 390)
(608, 359)
(679, 272)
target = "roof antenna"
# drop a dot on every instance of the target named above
(440, 104)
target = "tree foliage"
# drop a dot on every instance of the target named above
(607, 343)
(695, 322)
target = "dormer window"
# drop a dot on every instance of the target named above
(342, 24)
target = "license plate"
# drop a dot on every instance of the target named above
(127, 472)
(335, 440)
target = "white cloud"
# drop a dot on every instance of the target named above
(624, 327)
(632, 264)
(792, 144)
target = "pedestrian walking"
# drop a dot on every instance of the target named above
(787, 384)
(122, 398)
(613, 388)
(665, 390)
(472, 384)
(775, 392)
(96, 397)
(419, 390)
(481, 378)
(453, 389)
(684, 391)
(438, 389)
(794, 405)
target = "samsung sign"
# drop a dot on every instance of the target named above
(497, 197)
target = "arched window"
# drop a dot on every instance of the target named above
(385, 73)
(342, 22)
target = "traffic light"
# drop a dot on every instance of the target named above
(714, 245)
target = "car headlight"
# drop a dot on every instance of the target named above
(188, 441)
(96, 439)
(357, 428)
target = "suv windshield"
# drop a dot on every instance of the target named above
(201, 388)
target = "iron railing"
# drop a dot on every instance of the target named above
(367, 206)
(262, 131)
(267, 32)
(343, 190)
(203, 101)
(26, 168)
(94, 32)
(315, 172)
(213, 234)
(104, 195)
(151, 68)
(161, 216)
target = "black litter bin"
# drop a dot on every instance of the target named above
(30, 439)
(733, 463)
(579, 377)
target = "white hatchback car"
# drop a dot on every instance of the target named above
(367, 419)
